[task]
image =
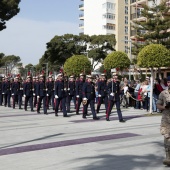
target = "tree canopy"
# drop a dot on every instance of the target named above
(77, 64)
(8, 9)
(154, 55)
(155, 27)
(116, 59)
(60, 48)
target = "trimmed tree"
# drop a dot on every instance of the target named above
(153, 55)
(76, 65)
(116, 59)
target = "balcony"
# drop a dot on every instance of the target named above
(138, 3)
(81, 26)
(81, 16)
(81, 33)
(138, 17)
(81, 7)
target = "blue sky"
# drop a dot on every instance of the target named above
(37, 23)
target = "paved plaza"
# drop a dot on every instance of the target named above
(31, 141)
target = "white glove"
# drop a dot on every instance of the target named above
(38, 96)
(77, 96)
(47, 94)
(99, 95)
(68, 88)
(65, 89)
(12, 94)
(24, 95)
(33, 94)
(3, 93)
(112, 94)
(85, 98)
(56, 96)
(21, 88)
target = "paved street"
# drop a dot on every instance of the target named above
(30, 141)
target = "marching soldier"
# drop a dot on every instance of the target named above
(6, 91)
(28, 93)
(42, 95)
(60, 95)
(163, 104)
(50, 91)
(20, 92)
(14, 91)
(79, 95)
(89, 97)
(1, 95)
(71, 92)
(102, 92)
(114, 98)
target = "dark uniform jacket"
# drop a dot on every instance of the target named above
(41, 89)
(6, 87)
(89, 90)
(116, 90)
(79, 88)
(71, 88)
(15, 88)
(59, 89)
(102, 88)
(50, 87)
(28, 86)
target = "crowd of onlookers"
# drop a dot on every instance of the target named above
(136, 93)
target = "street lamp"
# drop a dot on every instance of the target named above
(130, 57)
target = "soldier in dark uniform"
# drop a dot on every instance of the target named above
(42, 95)
(6, 91)
(28, 93)
(20, 92)
(79, 95)
(50, 91)
(71, 92)
(60, 95)
(114, 98)
(102, 92)
(89, 97)
(1, 95)
(14, 91)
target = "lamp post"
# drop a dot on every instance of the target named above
(130, 57)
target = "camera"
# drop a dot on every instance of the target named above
(167, 105)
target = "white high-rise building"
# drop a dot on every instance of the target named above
(107, 17)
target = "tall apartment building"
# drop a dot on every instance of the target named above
(107, 17)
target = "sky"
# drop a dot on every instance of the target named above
(36, 24)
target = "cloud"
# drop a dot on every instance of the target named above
(27, 38)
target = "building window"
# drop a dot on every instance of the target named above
(126, 19)
(126, 29)
(126, 2)
(109, 16)
(126, 9)
(126, 39)
(126, 49)
(109, 5)
(109, 27)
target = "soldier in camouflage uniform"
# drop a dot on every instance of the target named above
(163, 104)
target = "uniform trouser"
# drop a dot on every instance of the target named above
(1, 97)
(7, 98)
(44, 99)
(19, 100)
(100, 101)
(110, 106)
(50, 99)
(14, 100)
(69, 98)
(78, 103)
(30, 99)
(35, 100)
(92, 103)
(63, 103)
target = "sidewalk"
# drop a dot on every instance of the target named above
(30, 141)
